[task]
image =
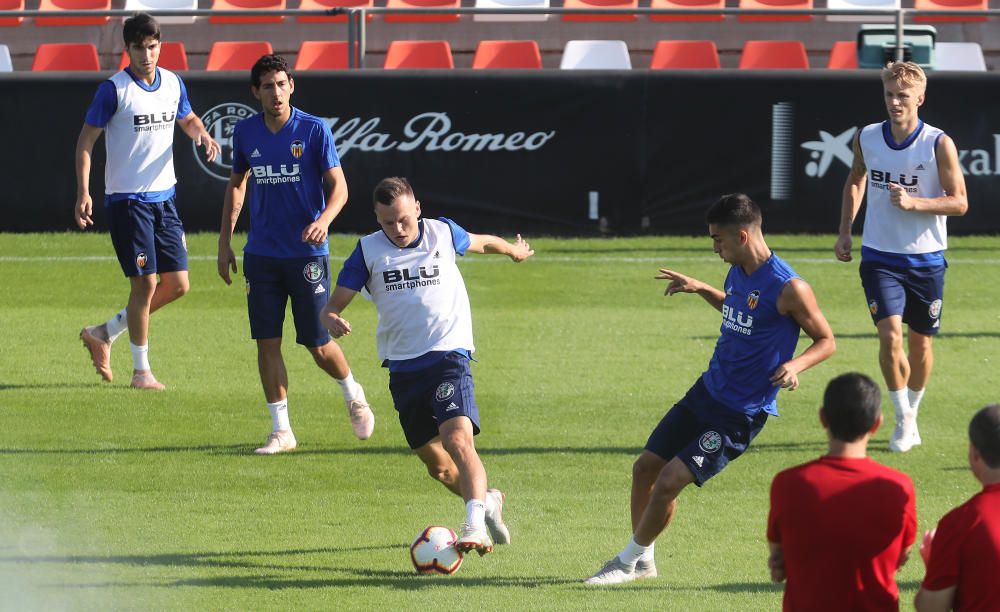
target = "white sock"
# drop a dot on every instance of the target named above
(632, 553)
(279, 415)
(491, 504)
(901, 403)
(349, 386)
(140, 356)
(648, 554)
(914, 397)
(117, 325)
(475, 513)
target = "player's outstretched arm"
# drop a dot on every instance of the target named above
(330, 315)
(854, 192)
(518, 251)
(196, 131)
(232, 204)
(681, 283)
(84, 148)
(798, 301)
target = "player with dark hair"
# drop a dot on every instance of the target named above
(963, 554)
(764, 305)
(424, 336)
(297, 188)
(914, 183)
(840, 526)
(137, 108)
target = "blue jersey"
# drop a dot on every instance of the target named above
(755, 339)
(285, 186)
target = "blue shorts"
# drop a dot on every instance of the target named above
(272, 280)
(426, 398)
(703, 433)
(148, 238)
(916, 294)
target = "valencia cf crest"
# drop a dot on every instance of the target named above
(873, 307)
(298, 147)
(140, 260)
(753, 298)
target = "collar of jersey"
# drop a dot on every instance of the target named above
(143, 84)
(891, 142)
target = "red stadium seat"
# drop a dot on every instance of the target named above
(236, 55)
(843, 55)
(11, 5)
(685, 54)
(948, 5)
(418, 54)
(407, 18)
(322, 55)
(687, 4)
(319, 5)
(507, 54)
(66, 56)
(774, 54)
(241, 5)
(624, 5)
(776, 4)
(172, 57)
(56, 6)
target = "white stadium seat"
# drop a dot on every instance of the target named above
(595, 55)
(164, 5)
(518, 4)
(959, 56)
(864, 5)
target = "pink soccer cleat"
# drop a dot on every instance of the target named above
(100, 351)
(362, 417)
(279, 441)
(144, 379)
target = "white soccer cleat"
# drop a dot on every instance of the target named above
(474, 538)
(904, 436)
(494, 520)
(144, 379)
(100, 351)
(362, 417)
(279, 441)
(613, 572)
(645, 569)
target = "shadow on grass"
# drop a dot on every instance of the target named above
(20, 387)
(247, 450)
(819, 446)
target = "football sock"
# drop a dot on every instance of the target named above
(349, 386)
(901, 403)
(647, 555)
(117, 325)
(279, 415)
(914, 397)
(475, 513)
(140, 356)
(632, 553)
(491, 504)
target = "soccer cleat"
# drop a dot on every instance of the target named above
(362, 417)
(645, 569)
(613, 572)
(905, 436)
(144, 379)
(100, 352)
(473, 538)
(279, 441)
(494, 520)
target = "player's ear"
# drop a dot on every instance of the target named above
(255, 92)
(822, 418)
(878, 423)
(418, 208)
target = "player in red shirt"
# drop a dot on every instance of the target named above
(840, 526)
(963, 554)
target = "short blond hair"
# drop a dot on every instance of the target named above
(905, 74)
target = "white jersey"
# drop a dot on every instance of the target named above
(419, 294)
(139, 137)
(913, 165)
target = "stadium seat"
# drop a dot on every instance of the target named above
(322, 55)
(776, 4)
(507, 54)
(145, 6)
(533, 5)
(412, 17)
(5, 64)
(418, 54)
(595, 55)
(247, 5)
(687, 4)
(948, 5)
(172, 57)
(759, 54)
(623, 5)
(11, 5)
(321, 5)
(843, 55)
(865, 5)
(66, 56)
(236, 55)
(56, 6)
(959, 56)
(684, 54)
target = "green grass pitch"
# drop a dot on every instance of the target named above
(116, 499)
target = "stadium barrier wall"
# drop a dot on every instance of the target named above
(550, 152)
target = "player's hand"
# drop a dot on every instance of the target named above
(212, 148)
(843, 248)
(679, 283)
(786, 377)
(522, 250)
(337, 325)
(226, 262)
(776, 563)
(83, 211)
(925, 545)
(314, 234)
(899, 198)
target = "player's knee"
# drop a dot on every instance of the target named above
(646, 468)
(440, 473)
(457, 443)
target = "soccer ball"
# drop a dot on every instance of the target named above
(434, 552)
